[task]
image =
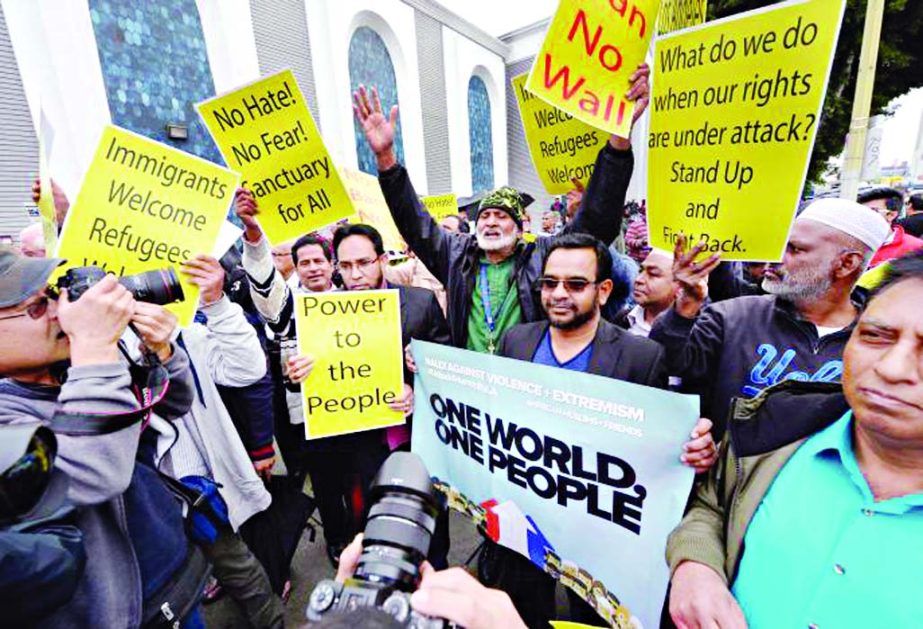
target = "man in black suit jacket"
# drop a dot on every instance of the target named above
(575, 284)
(342, 472)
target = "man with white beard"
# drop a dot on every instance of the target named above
(738, 347)
(489, 276)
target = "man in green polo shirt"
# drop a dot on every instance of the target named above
(489, 276)
(821, 526)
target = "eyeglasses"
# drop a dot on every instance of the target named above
(361, 265)
(571, 285)
(35, 310)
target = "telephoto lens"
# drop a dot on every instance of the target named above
(400, 524)
(159, 287)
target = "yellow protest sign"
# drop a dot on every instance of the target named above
(145, 206)
(265, 131)
(590, 49)
(46, 197)
(370, 206)
(676, 15)
(873, 277)
(441, 206)
(562, 147)
(355, 340)
(733, 114)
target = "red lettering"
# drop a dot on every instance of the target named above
(581, 20)
(623, 6)
(616, 64)
(566, 91)
(619, 10)
(631, 20)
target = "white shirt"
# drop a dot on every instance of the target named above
(638, 324)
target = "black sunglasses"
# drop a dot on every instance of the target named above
(571, 285)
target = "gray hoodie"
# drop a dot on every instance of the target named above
(100, 468)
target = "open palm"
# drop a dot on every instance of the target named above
(378, 130)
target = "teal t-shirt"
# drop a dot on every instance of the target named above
(504, 306)
(820, 551)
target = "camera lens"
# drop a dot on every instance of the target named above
(400, 522)
(159, 287)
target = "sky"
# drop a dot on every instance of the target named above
(498, 17)
(902, 129)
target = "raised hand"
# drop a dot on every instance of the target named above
(379, 130)
(208, 274)
(246, 209)
(691, 276)
(640, 90)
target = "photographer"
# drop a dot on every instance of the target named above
(63, 368)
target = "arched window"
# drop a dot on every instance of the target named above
(479, 134)
(370, 65)
(155, 68)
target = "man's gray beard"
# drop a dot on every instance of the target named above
(799, 289)
(498, 244)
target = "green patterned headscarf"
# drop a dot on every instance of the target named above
(507, 199)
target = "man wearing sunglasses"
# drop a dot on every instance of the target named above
(574, 286)
(62, 367)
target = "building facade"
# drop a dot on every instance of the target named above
(143, 64)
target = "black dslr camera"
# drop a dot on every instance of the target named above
(159, 287)
(401, 521)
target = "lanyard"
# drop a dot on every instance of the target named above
(485, 299)
(489, 320)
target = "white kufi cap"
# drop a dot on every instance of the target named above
(850, 218)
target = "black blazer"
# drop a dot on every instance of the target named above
(422, 319)
(616, 353)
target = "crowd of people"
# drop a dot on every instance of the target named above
(145, 451)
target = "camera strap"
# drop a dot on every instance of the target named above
(150, 385)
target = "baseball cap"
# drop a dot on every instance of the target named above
(22, 277)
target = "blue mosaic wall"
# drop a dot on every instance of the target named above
(370, 64)
(479, 134)
(155, 68)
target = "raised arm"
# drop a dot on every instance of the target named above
(426, 238)
(600, 213)
(232, 349)
(271, 296)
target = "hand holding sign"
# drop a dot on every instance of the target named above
(640, 90)
(206, 273)
(378, 130)
(299, 368)
(246, 209)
